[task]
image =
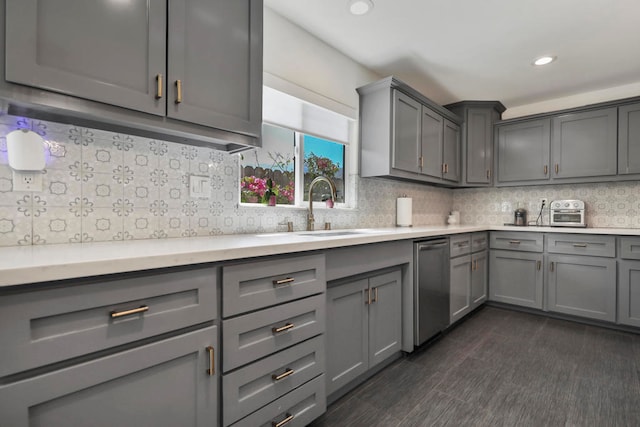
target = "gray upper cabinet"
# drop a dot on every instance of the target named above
(629, 139)
(215, 64)
(188, 71)
(98, 50)
(406, 132)
(432, 149)
(451, 152)
(584, 144)
(405, 135)
(523, 152)
(477, 140)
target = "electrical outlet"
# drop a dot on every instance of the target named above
(27, 181)
(544, 202)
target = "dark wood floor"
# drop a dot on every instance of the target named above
(504, 368)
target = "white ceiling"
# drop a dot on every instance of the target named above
(482, 49)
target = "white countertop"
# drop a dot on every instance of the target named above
(31, 264)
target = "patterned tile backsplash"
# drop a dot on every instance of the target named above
(103, 186)
(606, 204)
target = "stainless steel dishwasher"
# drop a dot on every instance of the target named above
(431, 288)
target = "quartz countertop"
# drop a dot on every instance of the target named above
(31, 264)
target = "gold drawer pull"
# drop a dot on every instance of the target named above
(283, 422)
(514, 242)
(159, 86)
(545, 169)
(461, 244)
(283, 281)
(557, 168)
(141, 309)
(552, 266)
(285, 374)
(579, 245)
(178, 91)
(368, 300)
(375, 295)
(538, 265)
(212, 361)
(286, 327)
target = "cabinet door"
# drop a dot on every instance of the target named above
(215, 59)
(104, 51)
(516, 278)
(165, 383)
(431, 141)
(385, 317)
(523, 151)
(479, 277)
(583, 286)
(406, 133)
(585, 144)
(629, 293)
(629, 139)
(479, 152)
(347, 333)
(451, 151)
(460, 287)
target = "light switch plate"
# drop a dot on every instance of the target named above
(27, 181)
(199, 187)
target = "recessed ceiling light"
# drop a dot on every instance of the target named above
(360, 7)
(544, 60)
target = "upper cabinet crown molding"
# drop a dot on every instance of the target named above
(136, 69)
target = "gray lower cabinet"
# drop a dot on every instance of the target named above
(479, 278)
(522, 152)
(585, 144)
(364, 326)
(516, 278)
(629, 293)
(165, 383)
(629, 139)
(459, 287)
(583, 286)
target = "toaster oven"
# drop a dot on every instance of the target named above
(567, 213)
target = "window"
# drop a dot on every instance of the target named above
(300, 141)
(277, 167)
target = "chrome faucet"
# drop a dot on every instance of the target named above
(332, 186)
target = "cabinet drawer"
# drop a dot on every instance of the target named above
(582, 244)
(255, 385)
(44, 326)
(479, 242)
(255, 285)
(517, 241)
(459, 245)
(629, 247)
(301, 406)
(164, 383)
(255, 335)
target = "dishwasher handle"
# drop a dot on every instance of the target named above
(432, 245)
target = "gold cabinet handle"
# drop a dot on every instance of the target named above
(514, 242)
(462, 244)
(488, 173)
(159, 86)
(476, 262)
(368, 300)
(178, 91)
(552, 266)
(283, 422)
(375, 295)
(557, 167)
(286, 327)
(421, 161)
(546, 169)
(212, 361)
(141, 309)
(446, 168)
(283, 281)
(538, 265)
(285, 374)
(579, 245)
(443, 169)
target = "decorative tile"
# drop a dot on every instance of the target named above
(172, 223)
(175, 193)
(56, 227)
(59, 188)
(102, 224)
(15, 226)
(102, 189)
(141, 224)
(101, 156)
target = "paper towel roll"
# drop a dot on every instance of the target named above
(404, 212)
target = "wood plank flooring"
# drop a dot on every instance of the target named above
(504, 368)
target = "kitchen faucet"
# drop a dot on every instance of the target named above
(332, 186)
